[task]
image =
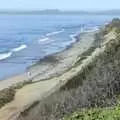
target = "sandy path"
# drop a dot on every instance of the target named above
(25, 96)
(33, 92)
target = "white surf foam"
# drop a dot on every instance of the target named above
(43, 39)
(73, 39)
(5, 55)
(55, 33)
(19, 48)
(92, 29)
(72, 36)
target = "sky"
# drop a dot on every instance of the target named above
(59, 4)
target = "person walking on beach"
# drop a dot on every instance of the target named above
(29, 74)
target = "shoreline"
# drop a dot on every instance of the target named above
(76, 37)
(45, 58)
(46, 62)
(52, 73)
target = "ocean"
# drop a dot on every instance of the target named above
(25, 39)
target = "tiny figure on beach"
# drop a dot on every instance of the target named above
(29, 74)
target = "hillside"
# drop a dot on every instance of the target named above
(111, 111)
(94, 91)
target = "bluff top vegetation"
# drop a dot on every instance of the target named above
(115, 24)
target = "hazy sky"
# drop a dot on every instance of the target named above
(60, 4)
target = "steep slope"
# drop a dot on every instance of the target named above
(96, 85)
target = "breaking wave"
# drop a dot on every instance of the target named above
(19, 48)
(43, 39)
(5, 55)
(55, 33)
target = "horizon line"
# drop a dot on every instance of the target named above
(59, 10)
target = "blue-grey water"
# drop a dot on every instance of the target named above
(24, 39)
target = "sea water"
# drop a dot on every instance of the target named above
(25, 39)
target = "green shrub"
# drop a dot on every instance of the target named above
(96, 114)
(6, 96)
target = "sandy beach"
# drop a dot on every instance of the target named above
(47, 75)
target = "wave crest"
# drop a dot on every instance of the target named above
(55, 33)
(72, 36)
(43, 39)
(5, 55)
(19, 48)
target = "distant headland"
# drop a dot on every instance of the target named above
(57, 11)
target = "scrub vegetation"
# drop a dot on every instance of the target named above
(94, 91)
(8, 94)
